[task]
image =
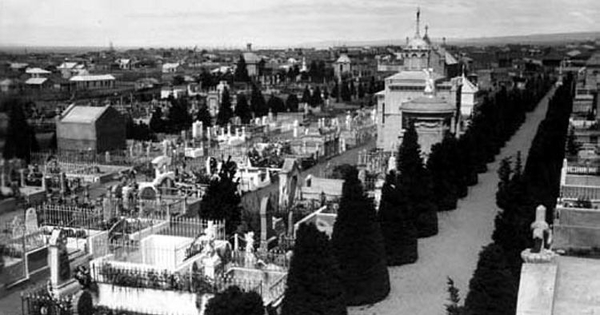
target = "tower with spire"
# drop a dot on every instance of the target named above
(416, 53)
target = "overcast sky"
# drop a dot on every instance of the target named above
(278, 23)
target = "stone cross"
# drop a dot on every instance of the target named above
(58, 258)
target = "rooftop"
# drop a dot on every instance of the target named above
(414, 75)
(428, 104)
(82, 114)
(36, 81)
(37, 71)
(92, 77)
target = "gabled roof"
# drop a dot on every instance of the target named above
(92, 77)
(450, 60)
(414, 75)
(468, 86)
(83, 114)
(343, 59)
(67, 65)
(36, 81)
(37, 71)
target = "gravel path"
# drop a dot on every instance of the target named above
(420, 288)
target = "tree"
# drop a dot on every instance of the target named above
(157, 124)
(415, 184)
(20, 137)
(179, 118)
(572, 145)
(257, 102)
(315, 99)
(225, 110)
(221, 200)
(492, 290)
(292, 103)
(178, 80)
(276, 104)
(234, 301)
(242, 109)
(346, 94)
(397, 225)
(204, 116)
(361, 91)
(314, 285)
(453, 308)
(306, 96)
(359, 246)
(442, 166)
(241, 72)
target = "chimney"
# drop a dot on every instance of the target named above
(249, 46)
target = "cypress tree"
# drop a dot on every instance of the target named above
(316, 98)
(397, 225)
(257, 102)
(359, 246)
(221, 200)
(234, 301)
(493, 289)
(314, 285)
(306, 97)
(276, 104)
(157, 124)
(241, 72)
(225, 110)
(203, 115)
(292, 103)
(20, 137)
(441, 167)
(415, 182)
(242, 109)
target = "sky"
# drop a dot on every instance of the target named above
(279, 23)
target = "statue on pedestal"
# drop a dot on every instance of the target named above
(542, 237)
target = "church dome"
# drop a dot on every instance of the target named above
(417, 43)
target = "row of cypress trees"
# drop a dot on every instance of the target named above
(494, 286)
(411, 198)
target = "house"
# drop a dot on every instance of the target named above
(124, 64)
(93, 82)
(38, 83)
(69, 69)
(317, 188)
(171, 67)
(37, 72)
(252, 62)
(88, 128)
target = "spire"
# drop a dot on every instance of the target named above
(417, 34)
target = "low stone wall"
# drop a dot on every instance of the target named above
(149, 301)
(567, 236)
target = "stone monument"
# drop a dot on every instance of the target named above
(542, 237)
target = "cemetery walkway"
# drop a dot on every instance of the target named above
(420, 288)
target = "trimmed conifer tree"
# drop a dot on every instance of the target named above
(291, 103)
(242, 109)
(441, 167)
(225, 110)
(359, 246)
(493, 289)
(314, 285)
(234, 301)
(222, 200)
(397, 225)
(258, 103)
(415, 183)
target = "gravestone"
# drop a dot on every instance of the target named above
(31, 221)
(266, 223)
(17, 228)
(58, 258)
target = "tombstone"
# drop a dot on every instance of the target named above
(229, 130)
(31, 221)
(17, 228)
(237, 132)
(58, 259)
(266, 223)
(244, 132)
(165, 145)
(22, 177)
(107, 156)
(264, 120)
(295, 132)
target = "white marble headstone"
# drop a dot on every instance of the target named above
(31, 221)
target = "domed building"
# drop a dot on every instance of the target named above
(422, 92)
